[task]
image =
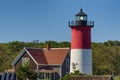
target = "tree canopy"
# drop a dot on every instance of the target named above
(105, 55)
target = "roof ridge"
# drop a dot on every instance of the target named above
(58, 48)
(45, 48)
(32, 48)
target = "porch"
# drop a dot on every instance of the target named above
(45, 74)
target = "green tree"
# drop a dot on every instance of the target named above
(24, 73)
(64, 44)
(67, 76)
(16, 46)
(53, 44)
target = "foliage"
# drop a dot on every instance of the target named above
(116, 78)
(106, 58)
(16, 46)
(106, 55)
(24, 73)
(67, 76)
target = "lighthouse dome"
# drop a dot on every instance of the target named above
(81, 13)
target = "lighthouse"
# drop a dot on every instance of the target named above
(81, 52)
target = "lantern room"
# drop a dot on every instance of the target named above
(81, 16)
(81, 20)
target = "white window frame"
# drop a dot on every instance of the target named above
(25, 61)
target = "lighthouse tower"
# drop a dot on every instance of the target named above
(81, 52)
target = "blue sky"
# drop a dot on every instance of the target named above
(28, 20)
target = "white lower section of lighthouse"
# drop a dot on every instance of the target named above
(81, 60)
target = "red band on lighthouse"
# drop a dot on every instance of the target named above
(81, 37)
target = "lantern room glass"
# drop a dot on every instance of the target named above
(81, 18)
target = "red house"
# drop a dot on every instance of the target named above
(50, 63)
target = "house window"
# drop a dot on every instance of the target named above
(67, 65)
(25, 61)
(46, 76)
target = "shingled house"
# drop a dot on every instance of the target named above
(50, 63)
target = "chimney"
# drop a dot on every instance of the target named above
(48, 46)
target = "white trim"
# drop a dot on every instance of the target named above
(25, 61)
(37, 67)
(60, 72)
(18, 57)
(31, 56)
